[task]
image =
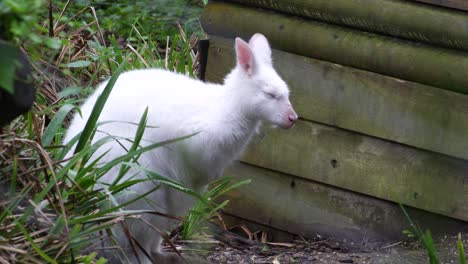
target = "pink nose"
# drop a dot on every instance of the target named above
(292, 117)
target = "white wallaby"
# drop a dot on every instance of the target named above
(226, 116)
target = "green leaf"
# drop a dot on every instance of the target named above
(55, 124)
(136, 143)
(97, 109)
(166, 181)
(72, 90)
(78, 64)
(53, 43)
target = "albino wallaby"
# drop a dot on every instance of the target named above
(226, 116)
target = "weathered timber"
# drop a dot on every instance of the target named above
(403, 19)
(366, 165)
(457, 4)
(407, 60)
(305, 207)
(369, 103)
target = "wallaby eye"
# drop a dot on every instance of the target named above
(271, 95)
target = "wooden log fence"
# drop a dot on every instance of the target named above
(381, 54)
(383, 105)
(404, 19)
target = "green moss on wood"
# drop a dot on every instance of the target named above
(373, 104)
(366, 165)
(425, 23)
(306, 207)
(389, 56)
(457, 4)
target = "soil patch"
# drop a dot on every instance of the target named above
(229, 248)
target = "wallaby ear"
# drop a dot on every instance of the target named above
(245, 58)
(260, 47)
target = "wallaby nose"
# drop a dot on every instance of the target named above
(292, 117)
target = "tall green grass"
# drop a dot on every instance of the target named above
(69, 207)
(427, 242)
(57, 210)
(207, 207)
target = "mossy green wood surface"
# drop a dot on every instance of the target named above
(369, 103)
(306, 207)
(414, 21)
(367, 165)
(407, 60)
(458, 4)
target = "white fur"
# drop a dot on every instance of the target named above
(226, 116)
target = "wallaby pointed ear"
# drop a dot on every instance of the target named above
(260, 47)
(245, 58)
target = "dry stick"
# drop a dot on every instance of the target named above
(78, 53)
(165, 236)
(248, 232)
(42, 74)
(45, 159)
(264, 237)
(32, 259)
(33, 234)
(61, 13)
(66, 49)
(184, 38)
(3, 261)
(392, 245)
(190, 44)
(61, 55)
(59, 29)
(38, 210)
(278, 244)
(138, 55)
(166, 60)
(42, 167)
(83, 28)
(230, 238)
(134, 243)
(141, 37)
(7, 248)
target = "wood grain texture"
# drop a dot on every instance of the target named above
(308, 208)
(406, 60)
(366, 165)
(457, 4)
(404, 19)
(405, 112)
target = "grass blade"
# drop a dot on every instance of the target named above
(33, 245)
(136, 143)
(97, 109)
(425, 238)
(104, 169)
(169, 182)
(55, 124)
(461, 250)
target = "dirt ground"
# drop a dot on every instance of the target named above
(320, 251)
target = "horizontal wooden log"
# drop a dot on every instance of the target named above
(401, 18)
(407, 60)
(457, 4)
(308, 208)
(373, 104)
(366, 165)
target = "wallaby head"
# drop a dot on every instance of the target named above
(268, 94)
